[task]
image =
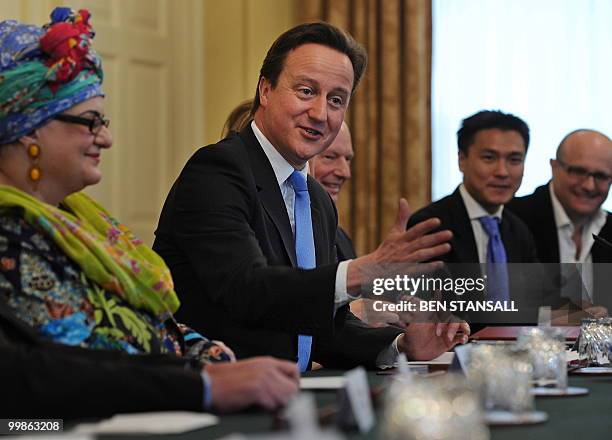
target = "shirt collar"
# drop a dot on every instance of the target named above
(475, 209)
(282, 168)
(563, 220)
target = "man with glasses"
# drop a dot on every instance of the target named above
(564, 214)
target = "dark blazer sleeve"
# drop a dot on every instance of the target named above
(46, 380)
(45, 383)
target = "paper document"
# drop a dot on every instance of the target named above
(322, 383)
(443, 359)
(174, 422)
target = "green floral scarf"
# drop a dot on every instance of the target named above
(107, 252)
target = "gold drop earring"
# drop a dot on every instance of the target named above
(34, 173)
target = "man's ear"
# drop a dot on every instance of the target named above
(461, 159)
(554, 165)
(264, 88)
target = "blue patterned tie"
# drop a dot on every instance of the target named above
(304, 249)
(496, 253)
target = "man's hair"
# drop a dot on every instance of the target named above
(317, 33)
(490, 119)
(571, 133)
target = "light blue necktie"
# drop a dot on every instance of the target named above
(496, 253)
(304, 249)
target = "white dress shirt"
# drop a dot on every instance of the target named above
(475, 211)
(567, 247)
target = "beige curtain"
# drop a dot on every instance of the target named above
(389, 114)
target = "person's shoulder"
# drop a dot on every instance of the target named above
(515, 220)
(440, 208)
(524, 205)
(230, 149)
(226, 158)
(518, 228)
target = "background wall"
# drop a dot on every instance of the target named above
(237, 35)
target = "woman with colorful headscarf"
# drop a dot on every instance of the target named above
(68, 268)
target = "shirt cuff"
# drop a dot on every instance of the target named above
(388, 356)
(207, 390)
(341, 296)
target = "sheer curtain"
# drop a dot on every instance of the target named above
(547, 61)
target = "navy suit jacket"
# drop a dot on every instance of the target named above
(45, 380)
(225, 234)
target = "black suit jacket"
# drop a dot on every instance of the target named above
(464, 259)
(44, 380)
(344, 246)
(225, 234)
(536, 210)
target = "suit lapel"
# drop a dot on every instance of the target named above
(463, 235)
(509, 239)
(269, 192)
(545, 228)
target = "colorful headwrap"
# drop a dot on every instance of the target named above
(44, 71)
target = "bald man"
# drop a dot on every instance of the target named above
(564, 214)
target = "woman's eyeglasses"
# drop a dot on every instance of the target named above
(94, 123)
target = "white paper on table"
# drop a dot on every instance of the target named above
(167, 422)
(322, 383)
(443, 359)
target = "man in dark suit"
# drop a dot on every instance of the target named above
(252, 266)
(40, 379)
(564, 214)
(492, 149)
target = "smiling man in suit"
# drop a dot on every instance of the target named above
(249, 236)
(564, 214)
(492, 149)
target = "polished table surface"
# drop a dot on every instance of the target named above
(580, 418)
